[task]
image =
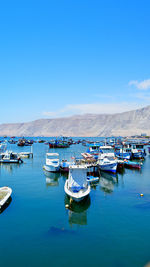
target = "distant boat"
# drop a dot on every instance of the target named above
(5, 193)
(10, 157)
(59, 143)
(76, 186)
(12, 141)
(52, 162)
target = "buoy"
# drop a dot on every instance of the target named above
(141, 195)
(67, 206)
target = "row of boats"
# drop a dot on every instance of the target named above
(82, 170)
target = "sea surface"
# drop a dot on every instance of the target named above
(112, 228)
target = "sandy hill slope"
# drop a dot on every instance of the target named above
(126, 123)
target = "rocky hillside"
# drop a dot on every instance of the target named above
(126, 123)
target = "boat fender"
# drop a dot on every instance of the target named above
(67, 206)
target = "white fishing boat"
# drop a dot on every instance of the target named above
(5, 193)
(10, 157)
(76, 186)
(52, 162)
(107, 164)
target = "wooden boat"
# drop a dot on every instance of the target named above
(5, 193)
(132, 164)
(59, 144)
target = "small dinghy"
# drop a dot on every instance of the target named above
(5, 193)
(132, 164)
(92, 179)
(64, 165)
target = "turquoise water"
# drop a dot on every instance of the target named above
(110, 229)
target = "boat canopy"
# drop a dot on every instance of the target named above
(77, 176)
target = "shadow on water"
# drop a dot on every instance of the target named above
(60, 231)
(143, 206)
(52, 179)
(108, 182)
(64, 175)
(5, 206)
(77, 212)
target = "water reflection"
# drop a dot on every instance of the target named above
(64, 176)
(52, 178)
(6, 205)
(77, 212)
(9, 167)
(108, 182)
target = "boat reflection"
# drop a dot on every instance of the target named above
(9, 167)
(77, 211)
(52, 178)
(5, 206)
(108, 182)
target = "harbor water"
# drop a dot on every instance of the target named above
(111, 228)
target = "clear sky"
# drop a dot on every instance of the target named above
(65, 57)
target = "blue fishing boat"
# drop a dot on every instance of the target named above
(132, 164)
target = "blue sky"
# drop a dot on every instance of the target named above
(65, 57)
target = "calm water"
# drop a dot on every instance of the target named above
(112, 228)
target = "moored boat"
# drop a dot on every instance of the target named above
(64, 165)
(10, 157)
(52, 162)
(107, 164)
(76, 186)
(132, 164)
(5, 193)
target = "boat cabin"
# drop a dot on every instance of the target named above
(52, 158)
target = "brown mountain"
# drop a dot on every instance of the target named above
(124, 124)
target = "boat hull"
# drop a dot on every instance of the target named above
(11, 161)
(132, 165)
(112, 167)
(7, 191)
(50, 168)
(79, 196)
